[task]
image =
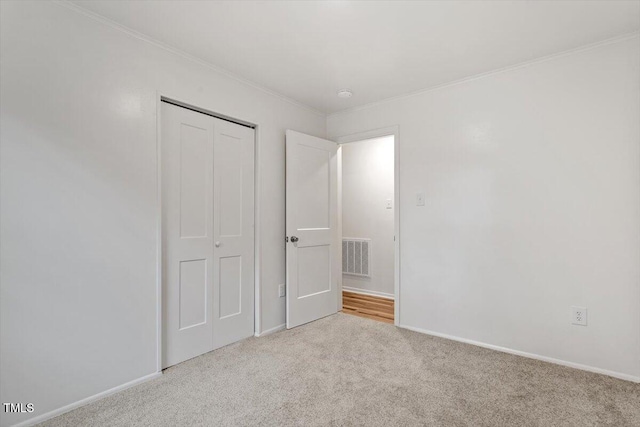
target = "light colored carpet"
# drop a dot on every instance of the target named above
(345, 370)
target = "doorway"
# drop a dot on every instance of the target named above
(207, 192)
(314, 231)
(367, 182)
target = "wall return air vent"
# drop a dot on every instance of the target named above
(356, 254)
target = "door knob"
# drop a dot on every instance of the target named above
(217, 244)
(294, 239)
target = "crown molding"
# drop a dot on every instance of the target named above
(617, 39)
(143, 37)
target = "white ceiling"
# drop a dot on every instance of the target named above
(308, 51)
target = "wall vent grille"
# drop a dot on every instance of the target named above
(356, 254)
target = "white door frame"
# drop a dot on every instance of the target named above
(186, 101)
(361, 136)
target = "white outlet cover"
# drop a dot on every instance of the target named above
(579, 316)
(281, 290)
(419, 199)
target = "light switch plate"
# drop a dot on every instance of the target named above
(389, 204)
(281, 290)
(419, 199)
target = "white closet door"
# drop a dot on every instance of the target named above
(207, 233)
(313, 250)
(233, 201)
(187, 233)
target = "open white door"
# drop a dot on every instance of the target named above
(313, 255)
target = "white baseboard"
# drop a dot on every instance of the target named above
(86, 401)
(272, 330)
(368, 292)
(613, 374)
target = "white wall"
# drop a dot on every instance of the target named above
(79, 198)
(532, 184)
(367, 184)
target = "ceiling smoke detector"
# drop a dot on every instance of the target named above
(345, 93)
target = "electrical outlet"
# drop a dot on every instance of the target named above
(419, 199)
(389, 205)
(282, 290)
(579, 316)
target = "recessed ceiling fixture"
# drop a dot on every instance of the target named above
(345, 93)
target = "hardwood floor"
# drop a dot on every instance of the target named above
(376, 308)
